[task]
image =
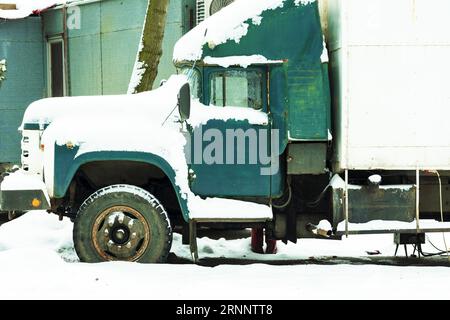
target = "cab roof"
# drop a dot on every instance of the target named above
(229, 24)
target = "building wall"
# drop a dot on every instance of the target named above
(21, 46)
(101, 56)
(103, 51)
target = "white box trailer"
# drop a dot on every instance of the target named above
(390, 69)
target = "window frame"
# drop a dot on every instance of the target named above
(50, 41)
(211, 71)
(200, 79)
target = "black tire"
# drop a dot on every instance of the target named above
(104, 215)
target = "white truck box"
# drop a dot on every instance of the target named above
(390, 63)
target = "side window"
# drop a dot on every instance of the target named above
(55, 74)
(237, 88)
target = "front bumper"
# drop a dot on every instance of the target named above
(23, 192)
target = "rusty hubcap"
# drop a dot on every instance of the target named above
(120, 233)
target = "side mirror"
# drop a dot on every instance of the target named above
(184, 102)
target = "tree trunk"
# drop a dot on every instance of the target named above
(150, 50)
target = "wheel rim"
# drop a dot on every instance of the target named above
(120, 233)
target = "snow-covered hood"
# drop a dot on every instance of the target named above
(151, 106)
(230, 23)
(25, 8)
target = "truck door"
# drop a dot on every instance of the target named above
(240, 170)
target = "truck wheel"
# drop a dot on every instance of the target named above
(122, 222)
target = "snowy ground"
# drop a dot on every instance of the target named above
(37, 260)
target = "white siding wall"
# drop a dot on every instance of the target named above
(391, 75)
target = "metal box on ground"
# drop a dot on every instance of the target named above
(408, 238)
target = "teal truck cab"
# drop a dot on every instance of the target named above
(258, 145)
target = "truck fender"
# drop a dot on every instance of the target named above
(67, 163)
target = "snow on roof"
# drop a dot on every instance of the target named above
(25, 8)
(243, 61)
(227, 24)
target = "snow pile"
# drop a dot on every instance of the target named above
(330, 136)
(230, 23)
(338, 183)
(106, 123)
(37, 255)
(39, 230)
(139, 67)
(20, 180)
(375, 179)
(27, 7)
(324, 58)
(217, 208)
(137, 74)
(324, 225)
(2, 70)
(201, 114)
(242, 61)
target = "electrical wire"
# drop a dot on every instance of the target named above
(440, 251)
(315, 203)
(284, 205)
(309, 203)
(426, 254)
(431, 243)
(442, 211)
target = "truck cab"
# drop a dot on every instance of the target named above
(288, 82)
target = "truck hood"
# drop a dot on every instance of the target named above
(152, 106)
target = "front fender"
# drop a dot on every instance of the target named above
(67, 164)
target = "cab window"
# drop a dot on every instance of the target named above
(236, 88)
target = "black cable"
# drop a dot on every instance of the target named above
(309, 203)
(440, 250)
(288, 201)
(313, 204)
(427, 254)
